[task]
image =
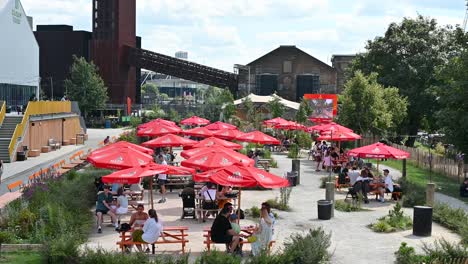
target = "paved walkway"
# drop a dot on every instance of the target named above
(352, 240)
(21, 170)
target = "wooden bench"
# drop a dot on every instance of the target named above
(18, 183)
(244, 230)
(170, 235)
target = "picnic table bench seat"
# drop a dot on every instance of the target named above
(264, 164)
(171, 235)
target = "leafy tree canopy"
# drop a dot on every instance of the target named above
(276, 107)
(369, 107)
(86, 86)
(406, 57)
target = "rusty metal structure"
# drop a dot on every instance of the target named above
(182, 69)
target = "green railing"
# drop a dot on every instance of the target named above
(37, 108)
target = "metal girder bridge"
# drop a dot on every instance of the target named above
(187, 70)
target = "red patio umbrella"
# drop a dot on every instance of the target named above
(131, 175)
(329, 127)
(158, 130)
(275, 121)
(169, 140)
(339, 136)
(119, 159)
(290, 125)
(212, 141)
(157, 121)
(218, 125)
(198, 132)
(238, 176)
(259, 138)
(378, 151)
(197, 151)
(228, 134)
(122, 145)
(195, 121)
(213, 159)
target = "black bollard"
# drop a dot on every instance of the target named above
(422, 221)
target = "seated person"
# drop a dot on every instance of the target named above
(106, 140)
(209, 199)
(221, 195)
(103, 206)
(235, 226)
(390, 187)
(353, 175)
(362, 185)
(464, 188)
(114, 188)
(222, 232)
(151, 231)
(122, 203)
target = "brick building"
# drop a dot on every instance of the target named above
(290, 72)
(340, 63)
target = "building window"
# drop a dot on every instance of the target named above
(287, 67)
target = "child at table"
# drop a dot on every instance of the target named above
(234, 225)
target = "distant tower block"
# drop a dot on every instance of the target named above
(183, 55)
(113, 28)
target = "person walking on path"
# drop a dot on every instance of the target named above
(162, 180)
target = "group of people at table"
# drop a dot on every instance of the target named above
(147, 227)
(362, 181)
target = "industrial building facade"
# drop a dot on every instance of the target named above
(288, 71)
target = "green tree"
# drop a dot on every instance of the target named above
(276, 107)
(150, 88)
(369, 107)
(252, 114)
(453, 98)
(304, 111)
(214, 99)
(86, 86)
(406, 58)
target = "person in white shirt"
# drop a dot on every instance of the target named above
(151, 231)
(162, 180)
(353, 175)
(209, 199)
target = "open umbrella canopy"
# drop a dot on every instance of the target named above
(228, 134)
(197, 151)
(131, 175)
(218, 125)
(290, 125)
(171, 170)
(195, 121)
(120, 159)
(121, 145)
(213, 141)
(158, 130)
(378, 151)
(169, 140)
(198, 132)
(239, 176)
(214, 159)
(275, 121)
(339, 136)
(329, 127)
(156, 122)
(259, 138)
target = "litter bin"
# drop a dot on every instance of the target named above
(422, 221)
(107, 124)
(292, 178)
(324, 208)
(20, 156)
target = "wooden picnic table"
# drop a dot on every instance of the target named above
(170, 235)
(245, 231)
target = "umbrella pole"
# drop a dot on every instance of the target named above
(151, 192)
(378, 172)
(238, 206)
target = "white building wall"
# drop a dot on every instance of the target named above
(19, 51)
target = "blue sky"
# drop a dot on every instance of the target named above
(224, 32)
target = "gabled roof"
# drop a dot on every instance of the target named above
(293, 47)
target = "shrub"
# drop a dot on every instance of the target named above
(216, 257)
(441, 252)
(304, 140)
(101, 256)
(129, 137)
(135, 121)
(453, 219)
(273, 163)
(344, 206)
(310, 248)
(254, 212)
(413, 194)
(396, 220)
(293, 151)
(267, 154)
